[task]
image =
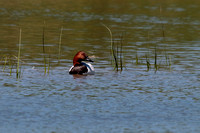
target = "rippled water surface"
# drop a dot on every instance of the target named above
(137, 99)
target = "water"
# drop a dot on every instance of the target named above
(134, 100)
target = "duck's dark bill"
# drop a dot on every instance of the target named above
(88, 59)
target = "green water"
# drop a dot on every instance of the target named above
(134, 100)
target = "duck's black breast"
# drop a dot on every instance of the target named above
(78, 69)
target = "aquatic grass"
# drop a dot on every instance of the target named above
(115, 55)
(155, 59)
(49, 64)
(18, 70)
(8, 60)
(120, 58)
(168, 60)
(163, 31)
(111, 44)
(159, 61)
(162, 24)
(43, 48)
(116, 50)
(10, 66)
(11, 60)
(148, 62)
(170, 63)
(5, 62)
(136, 58)
(166, 57)
(118, 54)
(60, 43)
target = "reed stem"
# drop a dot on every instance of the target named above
(155, 57)
(121, 61)
(19, 52)
(148, 62)
(10, 65)
(43, 44)
(170, 63)
(60, 42)
(5, 62)
(136, 58)
(48, 65)
(112, 45)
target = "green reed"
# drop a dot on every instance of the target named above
(49, 64)
(155, 59)
(118, 54)
(10, 60)
(46, 63)
(162, 24)
(60, 43)
(111, 44)
(18, 71)
(115, 56)
(48, 67)
(10, 66)
(116, 51)
(43, 48)
(120, 58)
(148, 62)
(168, 60)
(136, 58)
(170, 63)
(5, 62)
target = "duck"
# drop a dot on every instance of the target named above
(81, 65)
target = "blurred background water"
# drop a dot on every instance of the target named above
(134, 100)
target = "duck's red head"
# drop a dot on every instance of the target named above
(79, 57)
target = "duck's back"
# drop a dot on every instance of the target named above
(78, 69)
(84, 68)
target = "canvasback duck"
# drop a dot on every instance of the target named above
(81, 67)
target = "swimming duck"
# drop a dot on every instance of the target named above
(81, 67)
